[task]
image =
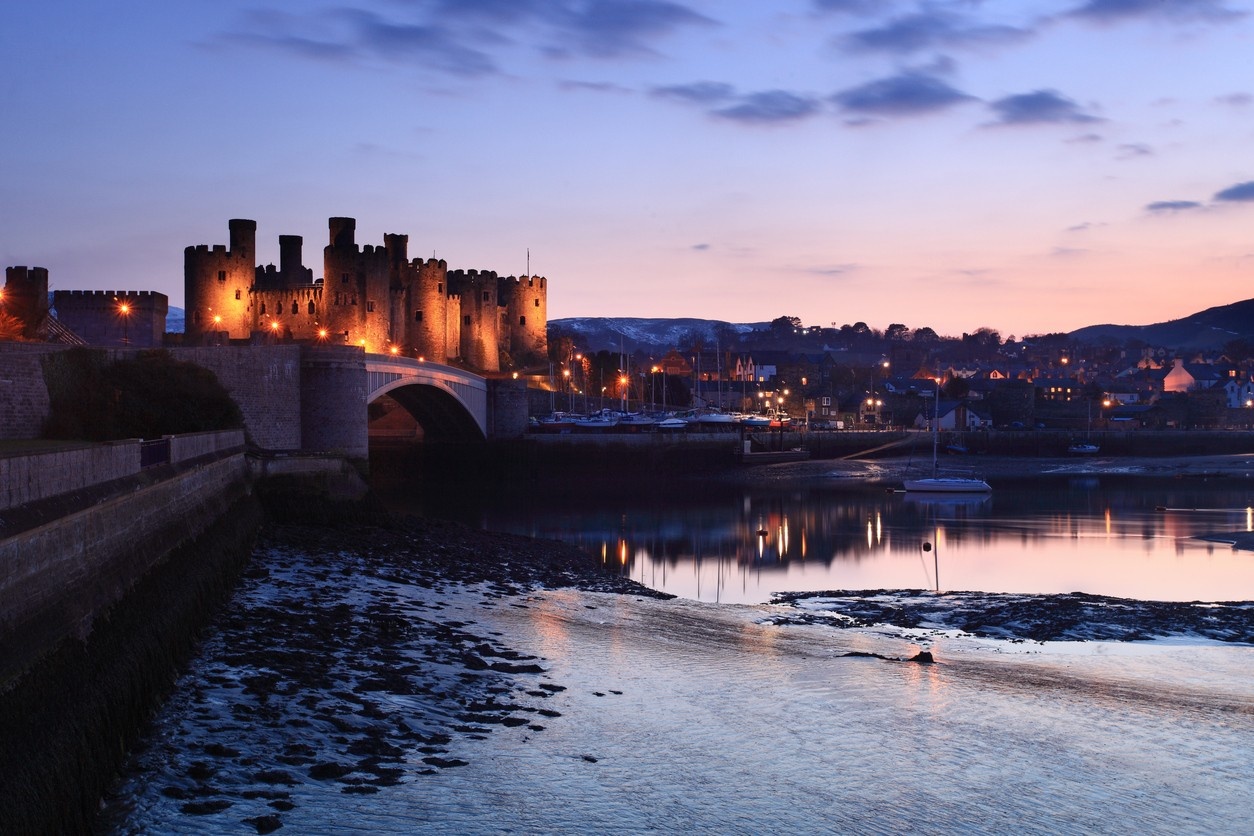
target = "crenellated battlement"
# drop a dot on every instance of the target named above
(114, 295)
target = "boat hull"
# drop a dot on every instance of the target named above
(942, 484)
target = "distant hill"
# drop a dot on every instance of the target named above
(1208, 329)
(598, 333)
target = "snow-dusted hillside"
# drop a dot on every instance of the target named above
(645, 334)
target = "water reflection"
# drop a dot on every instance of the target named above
(1111, 536)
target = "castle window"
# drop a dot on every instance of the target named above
(522, 320)
(353, 301)
(263, 308)
(466, 320)
(370, 305)
(537, 303)
(344, 278)
(485, 296)
(237, 295)
(311, 307)
(439, 287)
(417, 316)
(221, 275)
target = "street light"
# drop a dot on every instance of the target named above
(124, 311)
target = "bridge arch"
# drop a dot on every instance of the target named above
(449, 403)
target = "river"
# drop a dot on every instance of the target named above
(717, 712)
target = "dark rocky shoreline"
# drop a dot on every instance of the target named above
(330, 629)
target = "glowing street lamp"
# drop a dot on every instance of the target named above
(124, 311)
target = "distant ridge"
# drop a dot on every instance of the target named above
(1208, 329)
(597, 333)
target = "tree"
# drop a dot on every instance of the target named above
(896, 332)
(147, 395)
(925, 336)
(783, 326)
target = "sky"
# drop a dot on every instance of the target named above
(1030, 166)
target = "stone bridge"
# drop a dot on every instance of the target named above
(450, 403)
(304, 398)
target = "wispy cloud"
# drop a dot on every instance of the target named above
(1111, 11)
(770, 106)
(1235, 100)
(698, 92)
(1133, 150)
(1169, 206)
(854, 7)
(1037, 108)
(908, 94)
(466, 37)
(932, 29)
(616, 27)
(1240, 193)
(723, 101)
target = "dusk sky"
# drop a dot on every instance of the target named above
(1028, 166)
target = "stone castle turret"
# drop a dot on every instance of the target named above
(217, 284)
(26, 297)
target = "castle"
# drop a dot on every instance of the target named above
(371, 296)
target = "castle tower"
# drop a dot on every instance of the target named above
(426, 311)
(26, 297)
(480, 318)
(356, 289)
(524, 304)
(216, 284)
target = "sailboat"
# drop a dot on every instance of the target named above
(936, 483)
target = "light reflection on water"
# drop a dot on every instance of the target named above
(1109, 536)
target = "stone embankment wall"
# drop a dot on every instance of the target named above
(106, 577)
(24, 402)
(33, 477)
(61, 568)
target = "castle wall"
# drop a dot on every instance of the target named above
(217, 282)
(97, 317)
